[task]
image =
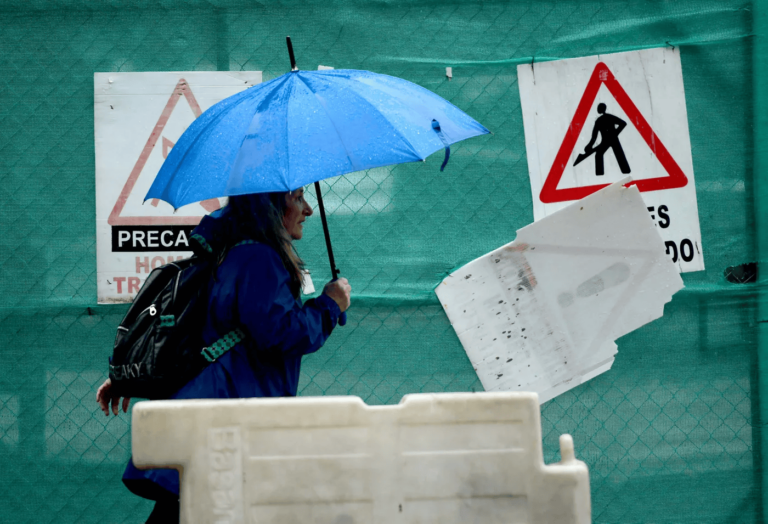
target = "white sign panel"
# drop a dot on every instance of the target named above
(542, 313)
(592, 121)
(138, 117)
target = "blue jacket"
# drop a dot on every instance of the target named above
(251, 292)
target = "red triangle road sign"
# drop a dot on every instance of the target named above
(182, 89)
(602, 75)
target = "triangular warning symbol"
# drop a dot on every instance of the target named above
(182, 89)
(602, 75)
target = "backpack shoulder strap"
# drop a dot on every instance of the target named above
(224, 344)
(245, 243)
(231, 339)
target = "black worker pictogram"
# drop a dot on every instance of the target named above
(609, 127)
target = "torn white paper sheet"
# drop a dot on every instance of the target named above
(542, 313)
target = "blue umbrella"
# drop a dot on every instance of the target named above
(303, 127)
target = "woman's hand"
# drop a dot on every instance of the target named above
(104, 398)
(339, 291)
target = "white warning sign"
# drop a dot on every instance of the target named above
(592, 121)
(138, 117)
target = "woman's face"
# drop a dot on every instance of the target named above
(296, 212)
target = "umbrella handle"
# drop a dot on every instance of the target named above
(343, 316)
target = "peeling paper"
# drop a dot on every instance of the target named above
(542, 313)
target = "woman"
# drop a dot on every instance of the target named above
(256, 289)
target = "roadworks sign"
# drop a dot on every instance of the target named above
(592, 121)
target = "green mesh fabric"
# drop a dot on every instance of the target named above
(673, 433)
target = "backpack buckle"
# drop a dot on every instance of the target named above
(209, 354)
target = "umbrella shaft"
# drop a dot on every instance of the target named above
(334, 270)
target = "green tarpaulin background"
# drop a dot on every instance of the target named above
(673, 433)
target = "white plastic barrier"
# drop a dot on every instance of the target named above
(434, 458)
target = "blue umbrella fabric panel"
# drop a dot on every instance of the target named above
(306, 126)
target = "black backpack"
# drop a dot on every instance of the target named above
(159, 344)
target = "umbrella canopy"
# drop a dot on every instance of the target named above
(303, 127)
(306, 126)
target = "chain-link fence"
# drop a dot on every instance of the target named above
(671, 433)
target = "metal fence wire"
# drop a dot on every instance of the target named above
(671, 434)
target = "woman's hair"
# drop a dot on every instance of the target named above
(260, 217)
